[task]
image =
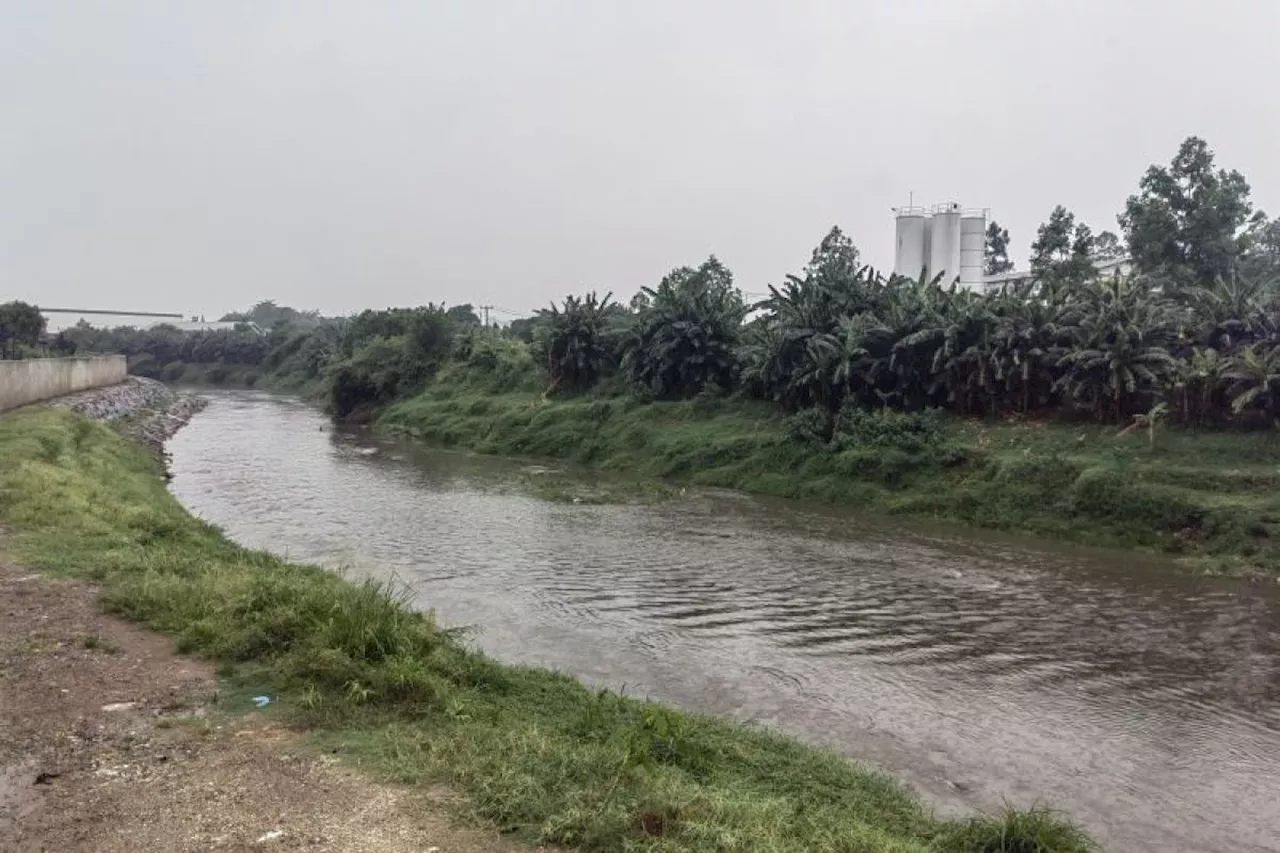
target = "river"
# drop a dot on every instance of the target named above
(980, 669)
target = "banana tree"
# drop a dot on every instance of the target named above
(1254, 377)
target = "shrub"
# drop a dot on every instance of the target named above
(1113, 493)
(375, 374)
(498, 363)
(812, 427)
(909, 431)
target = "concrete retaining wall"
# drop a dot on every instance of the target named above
(33, 379)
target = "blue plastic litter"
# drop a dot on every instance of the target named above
(262, 701)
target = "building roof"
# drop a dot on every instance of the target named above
(208, 325)
(1106, 267)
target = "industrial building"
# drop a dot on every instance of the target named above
(944, 240)
(1106, 267)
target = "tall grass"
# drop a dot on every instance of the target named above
(537, 754)
(1208, 497)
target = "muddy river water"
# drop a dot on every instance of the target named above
(980, 669)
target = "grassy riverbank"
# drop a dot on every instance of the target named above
(535, 752)
(1210, 497)
(234, 376)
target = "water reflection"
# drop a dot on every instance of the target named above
(978, 668)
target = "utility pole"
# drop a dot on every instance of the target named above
(485, 309)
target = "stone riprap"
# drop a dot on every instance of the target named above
(146, 410)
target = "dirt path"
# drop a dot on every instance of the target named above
(104, 748)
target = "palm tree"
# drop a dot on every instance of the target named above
(1231, 313)
(799, 352)
(573, 342)
(1121, 335)
(1254, 377)
(1199, 383)
(685, 339)
(1029, 342)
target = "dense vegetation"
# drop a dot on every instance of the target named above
(537, 754)
(1190, 336)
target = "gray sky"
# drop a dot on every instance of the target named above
(197, 156)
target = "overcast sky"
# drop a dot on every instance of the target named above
(198, 156)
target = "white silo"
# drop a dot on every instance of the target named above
(944, 247)
(911, 254)
(973, 247)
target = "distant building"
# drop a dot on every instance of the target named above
(951, 241)
(1107, 268)
(944, 240)
(58, 319)
(209, 325)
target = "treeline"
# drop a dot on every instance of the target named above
(1191, 334)
(292, 355)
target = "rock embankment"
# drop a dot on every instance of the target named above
(146, 410)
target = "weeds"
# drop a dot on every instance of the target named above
(1038, 830)
(95, 642)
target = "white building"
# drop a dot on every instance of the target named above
(57, 319)
(944, 240)
(951, 241)
(1107, 268)
(208, 325)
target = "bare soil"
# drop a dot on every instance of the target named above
(108, 744)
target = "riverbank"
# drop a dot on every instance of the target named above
(234, 376)
(535, 753)
(1208, 498)
(111, 743)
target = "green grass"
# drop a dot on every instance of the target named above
(535, 752)
(1210, 498)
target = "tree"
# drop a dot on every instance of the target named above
(573, 342)
(1254, 377)
(379, 371)
(21, 324)
(268, 315)
(463, 315)
(429, 335)
(997, 253)
(1187, 220)
(1062, 248)
(834, 257)
(799, 352)
(1261, 259)
(1107, 247)
(1231, 313)
(1121, 335)
(1028, 343)
(684, 340)
(523, 328)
